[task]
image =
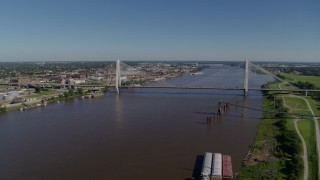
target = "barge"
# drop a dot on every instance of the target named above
(216, 167)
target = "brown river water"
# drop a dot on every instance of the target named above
(139, 134)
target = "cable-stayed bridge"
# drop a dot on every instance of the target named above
(243, 76)
(212, 76)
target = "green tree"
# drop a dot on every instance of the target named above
(70, 92)
(3, 108)
(65, 94)
(80, 91)
(37, 89)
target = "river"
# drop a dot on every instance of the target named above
(139, 134)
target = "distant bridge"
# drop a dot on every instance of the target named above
(249, 68)
(245, 89)
(177, 87)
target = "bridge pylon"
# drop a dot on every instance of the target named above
(118, 77)
(246, 77)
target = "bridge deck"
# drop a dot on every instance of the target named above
(176, 87)
(219, 88)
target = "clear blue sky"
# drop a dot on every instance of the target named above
(59, 30)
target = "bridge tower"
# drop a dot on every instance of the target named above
(118, 77)
(246, 77)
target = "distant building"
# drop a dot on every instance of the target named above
(297, 72)
(10, 95)
(79, 76)
(58, 79)
(22, 80)
(95, 78)
(75, 81)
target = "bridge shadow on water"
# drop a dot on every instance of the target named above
(240, 116)
(197, 168)
(201, 123)
(206, 113)
(226, 114)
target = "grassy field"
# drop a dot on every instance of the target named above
(306, 126)
(48, 92)
(274, 85)
(266, 125)
(11, 108)
(34, 95)
(296, 103)
(43, 93)
(6, 87)
(298, 107)
(278, 85)
(315, 105)
(267, 144)
(295, 78)
(307, 130)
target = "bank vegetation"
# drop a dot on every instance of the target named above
(276, 152)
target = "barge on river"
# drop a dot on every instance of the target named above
(216, 167)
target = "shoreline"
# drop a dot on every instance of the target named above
(43, 102)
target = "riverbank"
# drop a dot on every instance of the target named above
(276, 142)
(45, 99)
